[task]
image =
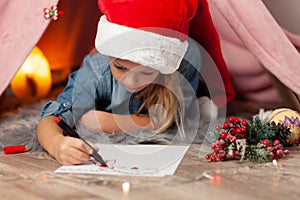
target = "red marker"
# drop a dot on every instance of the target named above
(72, 133)
(14, 149)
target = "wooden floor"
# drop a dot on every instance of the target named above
(30, 176)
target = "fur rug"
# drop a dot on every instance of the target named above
(19, 127)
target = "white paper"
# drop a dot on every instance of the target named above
(132, 160)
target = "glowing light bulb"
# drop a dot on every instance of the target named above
(33, 79)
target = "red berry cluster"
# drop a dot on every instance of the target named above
(233, 129)
(220, 152)
(226, 147)
(275, 149)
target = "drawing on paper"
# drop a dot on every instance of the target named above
(94, 167)
(132, 160)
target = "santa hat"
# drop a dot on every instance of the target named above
(154, 33)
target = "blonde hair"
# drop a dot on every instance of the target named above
(164, 101)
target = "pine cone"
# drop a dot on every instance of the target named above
(283, 133)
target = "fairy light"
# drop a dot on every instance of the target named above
(275, 163)
(44, 176)
(211, 180)
(125, 188)
(218, 178)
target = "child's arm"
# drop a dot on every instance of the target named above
(101, 121)
(66, 150)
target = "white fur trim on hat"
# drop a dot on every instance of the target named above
(146, 48)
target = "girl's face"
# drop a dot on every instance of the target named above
(132, 76)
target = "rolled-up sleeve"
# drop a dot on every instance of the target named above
(58, 109)
(63, 104)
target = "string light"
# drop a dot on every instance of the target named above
(125, 188)
(275, 163)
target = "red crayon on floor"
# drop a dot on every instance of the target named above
(14, 149)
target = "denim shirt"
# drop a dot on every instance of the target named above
(93, 87)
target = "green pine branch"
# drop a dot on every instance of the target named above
(255, 154)
(259, 131)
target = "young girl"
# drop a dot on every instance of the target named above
(143, 76)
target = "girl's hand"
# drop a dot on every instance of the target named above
(69, 150)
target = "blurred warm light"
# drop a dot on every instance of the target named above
(33, 79)
(275, 163)
(125, 188)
